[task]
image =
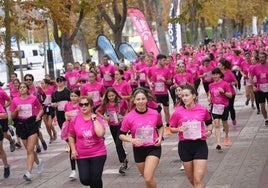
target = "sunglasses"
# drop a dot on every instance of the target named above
(84, 104)
(28, 79)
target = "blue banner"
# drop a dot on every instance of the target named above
(105, 44)
(127, 51)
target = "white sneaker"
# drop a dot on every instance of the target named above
(27, 176)
(73, 175)
(40, 166)
(181, 168)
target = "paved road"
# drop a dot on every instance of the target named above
(244, 164)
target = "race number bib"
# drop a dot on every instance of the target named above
(72, 80)
(193, 130)
(25, 111)
(208, 76)
(107, 77)
(142, 76)
(61, 105)
(264, 87)
(145, 134)
(159, 86)
(113, 117)
(47, 100)
(95, 95)
(218, 109)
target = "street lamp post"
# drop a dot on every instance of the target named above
(50, 56)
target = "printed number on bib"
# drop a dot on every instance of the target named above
(193, 130)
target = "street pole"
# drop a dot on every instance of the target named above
(50, 56)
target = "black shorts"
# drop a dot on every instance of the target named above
(223, 117)
(26, 128)
(4, 124)
(163, 99)
(140, 153)
(206, 84)
(50, 111)
(193, 149)
(262, 96)
(1, 134)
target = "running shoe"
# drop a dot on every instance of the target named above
(40, 166)
(27, 176)
(18, 145)
(226, 141)
(55, 136)
(44, 144)
(126, 164)
(38, 150)
(122, 170)
(73, 175)
(266, 123)
(7, 171)
(12, 146)
(253, 107)
(258, 111)
(182, 168)
(11, 130)
(218, 148)
(247, 102)
(168, 132)
(234, 122)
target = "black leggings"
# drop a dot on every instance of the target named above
(238, 76)
(115, 131)
(90, 171)
(231, 107)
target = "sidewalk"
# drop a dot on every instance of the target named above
(244, 164)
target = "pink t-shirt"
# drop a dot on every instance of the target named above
(216, 96)
(192, 118)
(131, 77)
(95, 91)
(229, 77)
(69, 107)
(2, 109)
(30, 106)
(3, 97)
(48, 92)
(208, 73)
(72, 79)
(141, 69)
(123, 88)
(84, 75)
(183, 79)
(14, 93)
(87, 143)
(108, 74)
(115, 112)
(261, 73)
(157, 75)
(142, 126)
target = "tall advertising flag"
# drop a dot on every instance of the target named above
(105, 44)
(127, 51)
(174, 29)
(142, 27)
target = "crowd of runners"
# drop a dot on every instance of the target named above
(131, 99)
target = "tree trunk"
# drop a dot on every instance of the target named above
(7, 22)
(66, 50)
(117, 36)
(183, 34)
(116, 21)
(162, 40)
(83, 45)
(223, 29)
(203, 28)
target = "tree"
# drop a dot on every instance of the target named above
(7, 23)
(115, 19)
